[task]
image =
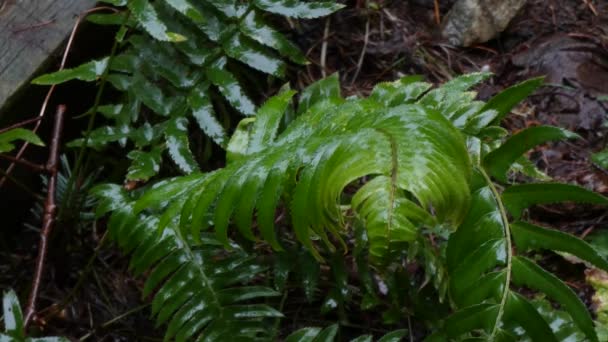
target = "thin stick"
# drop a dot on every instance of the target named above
(52, 88)
(437, 16)
(362, 55)
(324, 47)
(19, 124)
(29, 164)
(48, 219)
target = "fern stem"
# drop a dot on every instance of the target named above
(91, 123)
(505, 223)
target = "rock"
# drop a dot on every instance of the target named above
(476, 21)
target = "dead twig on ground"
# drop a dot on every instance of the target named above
(48, 219)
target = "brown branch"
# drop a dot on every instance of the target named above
(19, 124)
(29, 164)
(48, 218)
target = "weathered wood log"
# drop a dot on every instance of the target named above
(31, 31)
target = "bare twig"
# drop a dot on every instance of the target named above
(324, 48)
(591, 7)
(20, 124)
(437, 15)
(26, 163)
(363, 51)
(48, 219)
(52, 88)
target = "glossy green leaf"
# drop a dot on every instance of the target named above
(480, 316)
(519, 309)
(13, 317)
(601, 158)
(298, 9)
(303, 335)
(328, 334)
(88, 72)
(501, 159)
(178, 146)
(268, 118)
(239, 142)
(519, 197)
(526, 272)
(146, 15)
(394, 336)
(107, 18)
(144, 165)
(322, 90)
(243, 49)
(229, 87)
(7, 138)
(186, 8)
(203, 113)
(255, 27)
(528, 236)
(504, 101)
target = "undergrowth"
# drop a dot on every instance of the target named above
(390, 204)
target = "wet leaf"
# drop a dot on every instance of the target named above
(257, 29)
(147, 16)
(241, 48)
(88, 72)
(601, 158)
(528, 236)
(176, 136)
(519, 197)
(504, 101)
(144, 165)
(13, 317)
(526, 272)
(7, 138)
(230, 87)
(501, 159)
(203, 113)
(297, 8)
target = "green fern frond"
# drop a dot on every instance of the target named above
(417, 157)
(198, 290)
(186, 54)
(401, 165)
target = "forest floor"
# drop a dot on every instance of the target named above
(92, 296)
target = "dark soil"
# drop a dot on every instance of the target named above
(566, 40)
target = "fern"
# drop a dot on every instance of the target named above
(180, 56)
(196, 287)
(417, 162)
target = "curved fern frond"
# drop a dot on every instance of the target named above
(198, 290)
(189, 54)
(416, 157)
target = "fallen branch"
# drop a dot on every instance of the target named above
(48, 218)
